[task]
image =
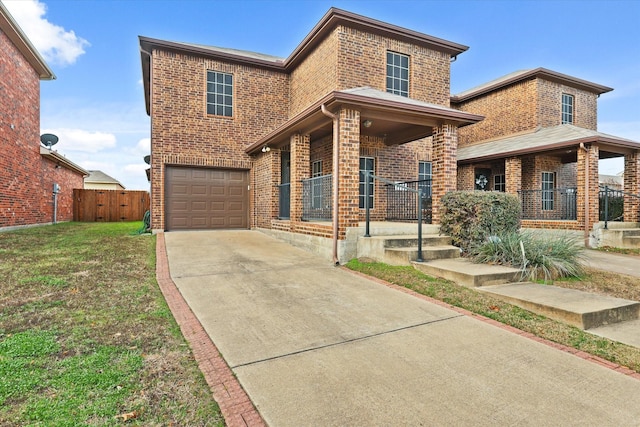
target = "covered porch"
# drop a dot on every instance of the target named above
(554, 171)
(308, 174)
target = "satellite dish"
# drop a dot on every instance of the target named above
(48, 139)
(147, 159)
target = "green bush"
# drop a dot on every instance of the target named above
(539, 257)
(470, 217)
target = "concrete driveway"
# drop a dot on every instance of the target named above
(314, 345)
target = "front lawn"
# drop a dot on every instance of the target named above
(86, 337)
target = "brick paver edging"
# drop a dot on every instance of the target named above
(237, 409)
(581, 354)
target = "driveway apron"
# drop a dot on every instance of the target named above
(314, 345)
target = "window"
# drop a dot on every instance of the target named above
(366, 165)
(424, 176)
(499, 183)
(548, 187)
(316, 184)
(219, 94)
(398, 74)
(316, 168)
(567, 108)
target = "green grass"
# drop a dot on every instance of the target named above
(508, 314)
(85, 333)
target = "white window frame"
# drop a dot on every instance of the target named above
(500, 182)
(362, 181)
(219, 94)
(316, 186)
(548, 186)
(568, 108)
(398, 73)
(423, 175)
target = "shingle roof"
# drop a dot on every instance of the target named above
(96, 176)
(541, 139)
(521, 75)
(234, 52)
(370, 92)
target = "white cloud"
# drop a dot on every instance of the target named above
(143, 147)
(56, 44)
(74, 140)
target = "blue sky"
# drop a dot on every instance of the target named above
(96, 105)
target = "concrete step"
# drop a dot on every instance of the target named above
(464, 272)
(581, 309)
(631, 232)
(631, 242)
(625, 332)
(404, 256)
(377, 247)
(382, 228)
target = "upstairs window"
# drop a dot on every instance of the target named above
(219, 94)
(398, 74)
(567, 108)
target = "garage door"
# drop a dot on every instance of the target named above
(200, 198)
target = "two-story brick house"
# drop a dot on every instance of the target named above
(245, 140)
(28, 171)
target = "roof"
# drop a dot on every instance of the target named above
(542, 139)
(10, 27)
(523, 75)
(61, 160)
(395, 118)
(323, 28)
(99, 177)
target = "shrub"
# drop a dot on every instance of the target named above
(471, 217)
(539, 257)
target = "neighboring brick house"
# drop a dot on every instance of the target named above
(245, 140)
(28, 171)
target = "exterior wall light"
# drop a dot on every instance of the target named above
(266, 149)
(367, 123)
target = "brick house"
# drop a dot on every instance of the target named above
(246, 140)
(28, 171)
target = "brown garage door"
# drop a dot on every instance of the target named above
(200, 198)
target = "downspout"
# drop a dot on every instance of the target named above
(586, 196)
(335, 169)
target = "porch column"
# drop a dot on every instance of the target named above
(632, 185)
(513, 175)
(444, 154)
(588, 160)
(465, 178)
(349, 170)
(299, 171)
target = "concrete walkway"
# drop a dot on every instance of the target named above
(313, 345)
(616, 263)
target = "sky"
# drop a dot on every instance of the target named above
(96, 104)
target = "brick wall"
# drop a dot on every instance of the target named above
(26, 178)
(362, 61)
(182, 133)
(524, 106)
(632, 185)
(516, 102)
(549, 108)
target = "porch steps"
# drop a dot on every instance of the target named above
(580, 309)
(466, 273)
(403, 249)
(627, 238)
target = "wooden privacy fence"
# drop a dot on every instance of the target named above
(109, 205)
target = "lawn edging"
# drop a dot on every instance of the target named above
(235, 405)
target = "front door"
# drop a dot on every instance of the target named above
(284, 211)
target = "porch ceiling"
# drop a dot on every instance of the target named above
(561, 140)
(395, 118)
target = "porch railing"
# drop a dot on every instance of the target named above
(402, 203)
(419, 193)
(612, 204)
(317, 203)
(284, 201)
(555, 204)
